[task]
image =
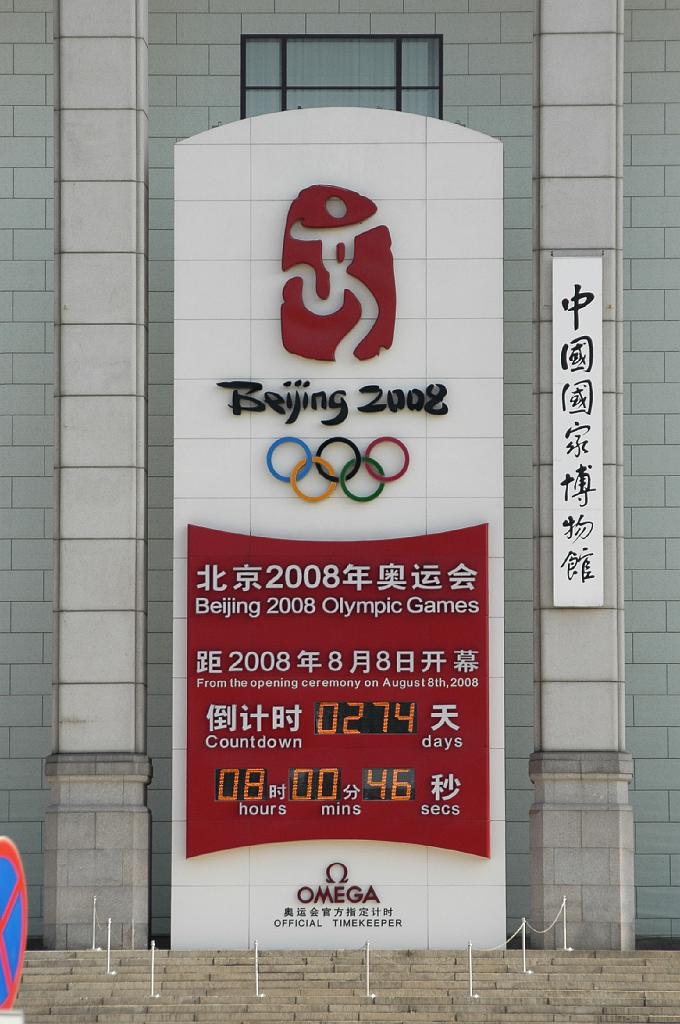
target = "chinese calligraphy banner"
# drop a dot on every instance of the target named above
(578, 546)
(337, 690)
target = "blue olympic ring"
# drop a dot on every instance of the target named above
(289, 440)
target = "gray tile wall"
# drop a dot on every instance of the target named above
(652, 452)
(194, 85)
(26, 390)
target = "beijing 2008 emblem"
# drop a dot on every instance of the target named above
(342, 291)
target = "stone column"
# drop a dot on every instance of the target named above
(581, 821)
(97, 825)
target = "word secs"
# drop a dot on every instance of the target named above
(249, 396)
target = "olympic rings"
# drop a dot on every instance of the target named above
(346, 473)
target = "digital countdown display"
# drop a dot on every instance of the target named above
(337, 690)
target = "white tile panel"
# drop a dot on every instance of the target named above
(480, 907)
(210, 917)
(209, 467)
(209, 172)
(213, 230)
(468, 171)
(473, 465)
(212, 289)
(468, 348)
(378, 170)
(464, 228)
(465, 288)
(217, 349)
(338, 125)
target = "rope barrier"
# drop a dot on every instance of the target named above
(542, 931)
(562, 912)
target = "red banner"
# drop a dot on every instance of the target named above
(337, 690)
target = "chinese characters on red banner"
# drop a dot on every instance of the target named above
(337, 690)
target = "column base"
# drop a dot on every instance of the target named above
(96, 844)
(581, 829)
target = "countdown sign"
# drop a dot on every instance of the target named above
(337, 690)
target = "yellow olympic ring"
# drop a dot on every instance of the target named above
(299, 466)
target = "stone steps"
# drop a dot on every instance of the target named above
(62, 987)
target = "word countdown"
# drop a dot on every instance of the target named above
(337, 690)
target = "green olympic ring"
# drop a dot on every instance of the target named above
(356, 497)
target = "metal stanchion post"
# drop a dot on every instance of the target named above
(564, 924)
(369, 994)
(258, 994)
(94, 921)
(132, 934)
(472, 994)
(524, 946)
(108, 948)
(154, 995)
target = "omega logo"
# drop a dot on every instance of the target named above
(343, 873)
(336, 890)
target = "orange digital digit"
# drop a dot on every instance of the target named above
(380, 783)
(401, 789)
(253, 786)
(353, 718)
(333, 774)
(324, 730)
(385, 705)
(409, 717)
(223, 783)
(306, 775)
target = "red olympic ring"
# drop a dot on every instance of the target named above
(395, 476)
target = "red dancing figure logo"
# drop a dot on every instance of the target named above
(341, 295)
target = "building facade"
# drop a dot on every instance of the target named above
(585, 97)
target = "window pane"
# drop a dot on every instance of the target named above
(263, 62)
(384, 99)
(347, 62)
(262, 101)
(420, 62)
(420, 101)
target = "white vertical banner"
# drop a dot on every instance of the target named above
(578, 543)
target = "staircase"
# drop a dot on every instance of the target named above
(329, 988)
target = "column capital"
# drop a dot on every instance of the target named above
(566, 765)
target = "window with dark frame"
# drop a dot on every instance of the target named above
(388, 72)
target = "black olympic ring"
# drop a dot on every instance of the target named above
(355, 451)
(347, 472)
